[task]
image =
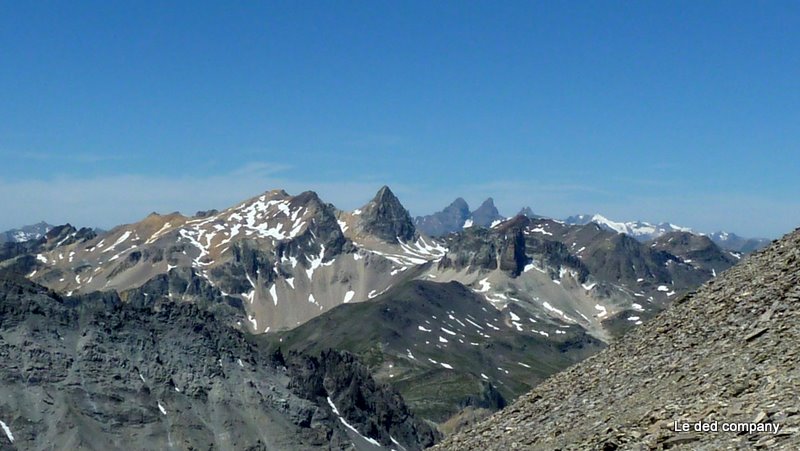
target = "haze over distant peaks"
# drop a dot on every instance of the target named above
(25, 233)
(645, 231)
(457, 216)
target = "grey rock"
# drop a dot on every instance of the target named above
(726, 353)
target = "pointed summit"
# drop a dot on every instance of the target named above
(386, 218)
(451, 219)
(459, 205)
(485, 214)
(528, 213)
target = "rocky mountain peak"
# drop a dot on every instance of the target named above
(450, 219)
(386, 218)
(459, 205)
(486, 214)
(277, 194)
(528, 213)
(25, 233)
(487, 204)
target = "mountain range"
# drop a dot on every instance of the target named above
(457, 216)
(458, 324)
(25, 233)
(718, 370)
(97, 372)
(646, 231)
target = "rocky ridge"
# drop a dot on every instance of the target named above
(457, 216)
(727, 353)
(25, 233)
(286, 258)
(444, 347)
(92, 372)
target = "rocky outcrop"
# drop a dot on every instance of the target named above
(725, 356)
(374, 410)
(508, 247)
(385, 218)
(93, 372)
(697, 250)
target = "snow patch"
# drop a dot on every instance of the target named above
(274, 293)
(7, 430)
(602, 310)
(485, 285)
(348, 425)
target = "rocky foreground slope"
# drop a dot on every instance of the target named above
(726, 356)
(92, 372)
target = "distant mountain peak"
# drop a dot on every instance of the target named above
(25, 233)
(486, 214)
(528, 213)
(642, 231)
(450, 219)
(385, 193)
(459, 204)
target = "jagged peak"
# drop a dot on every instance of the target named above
(458, 204)
(384, 194)
(386, 217)
(280, 193)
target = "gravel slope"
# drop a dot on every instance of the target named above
(726, 354)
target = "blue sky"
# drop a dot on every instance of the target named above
(686, 112)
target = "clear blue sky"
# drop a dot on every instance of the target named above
(663, 111)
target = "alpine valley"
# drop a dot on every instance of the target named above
(284, 320)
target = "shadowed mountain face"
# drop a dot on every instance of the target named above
(486, 214)
(735, 243)
(451, 219)
(91, 372)
(456, 217)
(445, 347)
(697, 250)
(727, 354)
(385, 217)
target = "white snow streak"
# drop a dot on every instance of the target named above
(7, 430)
